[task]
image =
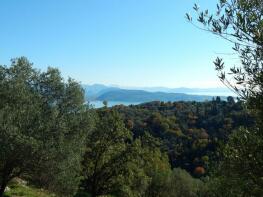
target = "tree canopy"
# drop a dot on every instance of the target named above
(43, 125)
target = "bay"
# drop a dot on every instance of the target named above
(99, 104)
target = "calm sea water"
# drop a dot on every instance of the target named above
(99, 104)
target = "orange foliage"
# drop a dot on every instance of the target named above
(199, 170)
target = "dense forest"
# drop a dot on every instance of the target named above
(52, 140)
(190, 132)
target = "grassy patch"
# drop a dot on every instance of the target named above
(26, 191)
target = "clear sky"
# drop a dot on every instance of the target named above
(120, 42)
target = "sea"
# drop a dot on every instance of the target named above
(99, 104)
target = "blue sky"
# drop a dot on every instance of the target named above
(121, 42)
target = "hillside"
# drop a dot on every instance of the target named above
(144, 96)
(190, 132)
(98, 92)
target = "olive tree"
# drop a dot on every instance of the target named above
(241, 23)
(43, 126)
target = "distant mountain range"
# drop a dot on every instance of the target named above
(92, 92)
(99, 92)
(205, 91)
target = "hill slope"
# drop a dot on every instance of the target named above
(144, 96)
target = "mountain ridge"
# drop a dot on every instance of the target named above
(100, 92)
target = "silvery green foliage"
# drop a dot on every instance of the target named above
(43, 125)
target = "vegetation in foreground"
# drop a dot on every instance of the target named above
(50, 138)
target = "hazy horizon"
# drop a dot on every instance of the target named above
(168, 87)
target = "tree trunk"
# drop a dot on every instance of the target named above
(6, 177)
(93, 192)
(2, 188)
